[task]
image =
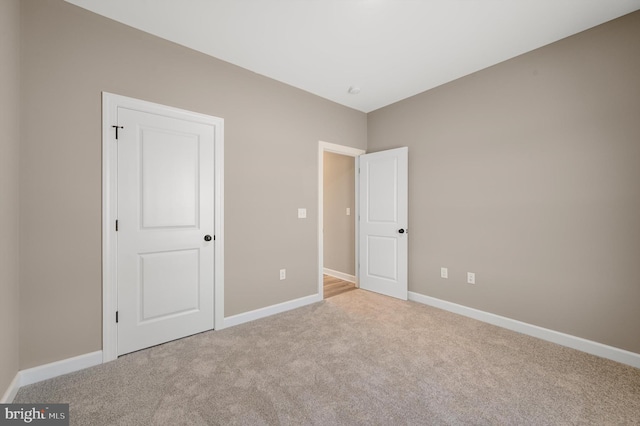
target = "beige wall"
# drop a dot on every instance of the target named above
(339, 229)
(528, 174)
(271, 144)
(525, 173)
(9, 160)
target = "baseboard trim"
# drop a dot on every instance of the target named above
(12, 390)
(574, 342)
(49, 371)
(58, 368)
(270, 310)
(341, 275)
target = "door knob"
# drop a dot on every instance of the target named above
(400, 231)
(207, 237)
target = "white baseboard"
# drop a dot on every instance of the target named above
(12, 390)
(584, 345)
(270, 310)
(49, 371)
(58, 368)
(341, 275)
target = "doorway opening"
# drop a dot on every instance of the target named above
(338, 230)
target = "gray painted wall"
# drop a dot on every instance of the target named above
(9, 143)
(527, 173)
(271, 145)
(339, 229)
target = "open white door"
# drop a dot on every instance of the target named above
(165, 262)
(383, 222)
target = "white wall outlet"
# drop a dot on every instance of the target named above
(302, 213)
(283, 274)
(471, 278)
(444, 273)
(348, 211)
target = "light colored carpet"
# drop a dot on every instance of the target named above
(355, 359)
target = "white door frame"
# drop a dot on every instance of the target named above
(342, 150)
(110, 104)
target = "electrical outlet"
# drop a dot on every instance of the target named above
(302, 213)
(283, 274)
(471, 278)
(444, 273)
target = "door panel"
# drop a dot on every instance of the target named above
(382, 257)
(165, 208)
(383, 222)
(382, 197)
(159, 298)
(170, 179)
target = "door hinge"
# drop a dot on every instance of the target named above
(116, 225)
(117, 127)
(116, 317)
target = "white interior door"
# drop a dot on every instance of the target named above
(383, 224)
(165, 262)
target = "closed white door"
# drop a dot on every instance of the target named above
(165, 234)
(383, 225)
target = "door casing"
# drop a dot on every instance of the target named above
(110, 104)
(342, 150)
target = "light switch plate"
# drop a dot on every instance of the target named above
(302, 213)
(348, 211)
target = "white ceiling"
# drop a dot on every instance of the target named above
(390, 49)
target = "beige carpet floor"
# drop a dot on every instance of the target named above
(355, 359)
